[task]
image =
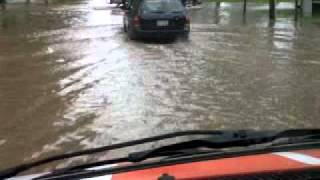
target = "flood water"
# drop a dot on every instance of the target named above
(70, 79)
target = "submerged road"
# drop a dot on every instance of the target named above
(70, 78)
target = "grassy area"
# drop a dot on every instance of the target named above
(255, 1)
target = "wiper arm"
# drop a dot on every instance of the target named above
(24, 167)
(223, 139)
(228, 140)
(183, 150)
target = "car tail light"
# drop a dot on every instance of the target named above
(136, 21)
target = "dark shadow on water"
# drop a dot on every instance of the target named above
(244, 19)
(3, 5)
(271, 23)
(4, 24)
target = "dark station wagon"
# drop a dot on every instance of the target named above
(156, 18)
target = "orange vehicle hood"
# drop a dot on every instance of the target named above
(252, 164)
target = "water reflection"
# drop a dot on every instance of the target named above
(70, 78)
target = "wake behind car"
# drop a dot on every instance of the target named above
(156, 18)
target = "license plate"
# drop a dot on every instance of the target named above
(162, 23)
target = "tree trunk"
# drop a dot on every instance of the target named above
(272, 9)
(218, 4)
(244, 7)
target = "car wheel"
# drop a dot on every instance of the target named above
(132, 35)
(186, 35)
(125, 28)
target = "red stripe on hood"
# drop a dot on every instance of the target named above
(218, 168)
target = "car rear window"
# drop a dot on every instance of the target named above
(160, 6)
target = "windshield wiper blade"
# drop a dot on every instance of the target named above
(7, 173)
(225, 140)
(228, 140)
(173, 157)
(80, 174)
(222, 139)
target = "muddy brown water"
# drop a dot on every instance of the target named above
(70, 79)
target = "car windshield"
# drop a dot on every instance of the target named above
(162, 6)
(79, 74)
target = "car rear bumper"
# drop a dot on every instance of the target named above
(161, 33)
